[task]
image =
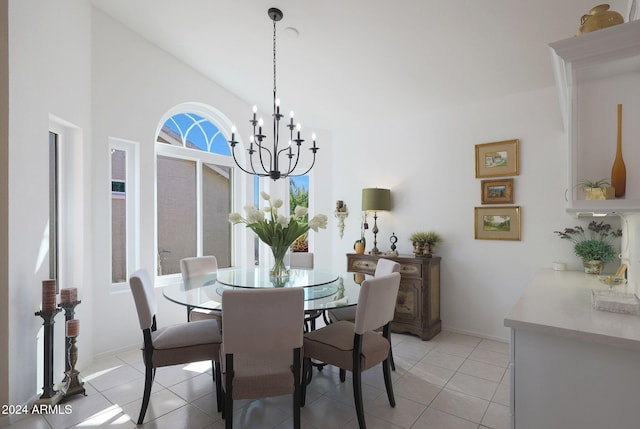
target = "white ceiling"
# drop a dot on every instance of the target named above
(362, 60)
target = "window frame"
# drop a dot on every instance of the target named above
(132, 217)
(240, 187)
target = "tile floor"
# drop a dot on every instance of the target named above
(453, 381)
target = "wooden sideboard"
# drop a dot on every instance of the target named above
(418, 304)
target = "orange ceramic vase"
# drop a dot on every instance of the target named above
(619, 171)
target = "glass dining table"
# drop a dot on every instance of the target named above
(322, 289)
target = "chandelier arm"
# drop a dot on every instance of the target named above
(309, 169)
(260, 149)
(233, 152)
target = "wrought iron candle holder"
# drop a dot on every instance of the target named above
(49, 395)
(69, 308)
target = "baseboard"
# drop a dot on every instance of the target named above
(474, 334)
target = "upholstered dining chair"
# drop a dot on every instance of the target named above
(261, 346)
(299, 259)
(354, 346)
(174, 344)
(199, 266)
(383, 267)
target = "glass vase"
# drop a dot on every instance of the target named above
(279, 273)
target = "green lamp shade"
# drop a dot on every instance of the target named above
(376, 199)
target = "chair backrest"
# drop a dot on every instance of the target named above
(262, 320)
(197, 266)
(377, 302)
(300, 259)
(144, 297)
(386, 266)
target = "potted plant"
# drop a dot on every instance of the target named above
(424, 243)
(598, 189)
(594, 246)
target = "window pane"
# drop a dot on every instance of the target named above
(176, 192)
(194, 132)
(118, 216)
(53, 207)
(216, 190)
(299, 196)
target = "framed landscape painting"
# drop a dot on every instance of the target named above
(497, 223)
(497, 191)
(497, 159)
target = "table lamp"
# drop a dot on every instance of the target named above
(375, 200)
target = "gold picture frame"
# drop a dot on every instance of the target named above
(497, 223)
(497, 159)
(497, 191)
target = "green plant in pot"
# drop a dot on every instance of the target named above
(424, 243)
(597, 189)
(594, 246)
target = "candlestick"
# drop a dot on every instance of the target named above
(73, 328)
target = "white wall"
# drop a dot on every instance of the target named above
(428, 162)
(48, 75)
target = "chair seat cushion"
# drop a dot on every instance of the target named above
(333, 344)
(187, 334)
(343, 313)
(260, 376)
(186, 342)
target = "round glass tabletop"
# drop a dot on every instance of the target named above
(260, 278)
(206, 291)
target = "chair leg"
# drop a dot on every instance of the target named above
(297, 387)
(357, 396)
(307, 373)
(343, 375)
(228, 394)
(218, 380)
(357, 380)
(148, 382)
(387, 381)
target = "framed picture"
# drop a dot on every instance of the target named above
(497, 159)
(497, 191)
(497, 223)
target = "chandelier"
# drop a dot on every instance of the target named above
(271, 160)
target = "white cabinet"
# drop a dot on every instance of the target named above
(594, 73)
(572, 366)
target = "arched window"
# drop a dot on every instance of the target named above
(194, 187)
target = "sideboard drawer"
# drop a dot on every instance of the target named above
(411, 270)
(366, 266)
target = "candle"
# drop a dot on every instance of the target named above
(68, 295)
(73, 328)
(49, 295)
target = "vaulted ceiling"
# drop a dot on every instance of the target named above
(344, 61)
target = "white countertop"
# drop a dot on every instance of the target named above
(559, 303)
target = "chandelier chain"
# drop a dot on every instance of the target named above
(274, 57)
